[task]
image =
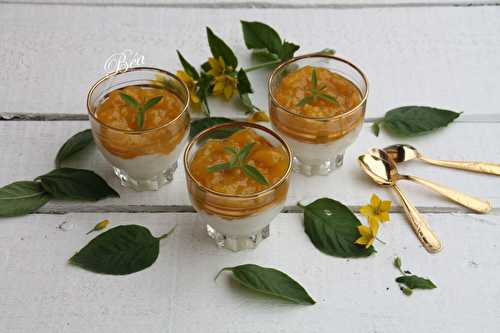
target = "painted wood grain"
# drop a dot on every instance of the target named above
(444, 57)
(41, 292)
(28, 149)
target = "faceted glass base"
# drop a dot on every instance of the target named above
(322, 169)
(238, 243)
(152, 184)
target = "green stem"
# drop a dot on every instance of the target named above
(264, 64)
(381, 241)
(222, 270)
(168, 233)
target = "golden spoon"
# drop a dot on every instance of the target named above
(468, 201)
(380, 172)
(403, 152)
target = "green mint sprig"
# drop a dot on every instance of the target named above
(238, 161)
(141, 108)
(316, 93)
(408, 282)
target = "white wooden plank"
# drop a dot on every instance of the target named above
(28, 149)
(42, 293)
(436, 56)
(262, 3)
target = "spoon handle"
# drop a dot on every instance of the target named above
(419, 224)
(482, 167)
(465, 200)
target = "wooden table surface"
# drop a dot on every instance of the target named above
(439, 53)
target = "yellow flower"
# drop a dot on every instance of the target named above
(377, 208)
(191, 84)
(224, 84)
(258, 116)
(368, 234)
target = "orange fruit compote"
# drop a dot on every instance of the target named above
(272, 162)
(121, 134)
(315, 121)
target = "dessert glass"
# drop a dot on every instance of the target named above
(318, 143)
(237, 222)
(143, 159)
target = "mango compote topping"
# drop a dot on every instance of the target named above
(297, 85)
(272, 162)
(117, 114)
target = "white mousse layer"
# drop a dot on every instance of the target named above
(145, 166)
(243, 227)
(318, 153)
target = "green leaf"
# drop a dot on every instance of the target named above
(130, 101)
(244, 85)
(333, 229)
(219, 167)
(288, 50)
(255, 174)
(220, 49)
(188, 68)
(243, 153)
(203, 92)
(397, 262)
(20, 198)
(416, 282)
(270, 281)
(376, 127)
(328, 98)
(73, 145)
(121, 250)
(414, 120)
(327, 51)
(258, 35)
(314, 79)
(305, 100)
(200, 125)
(152, 102)
(247, 104)
(76, 184)
(406, 291)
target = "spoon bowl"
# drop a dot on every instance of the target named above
(402, 153)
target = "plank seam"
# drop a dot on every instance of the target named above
(257, 4)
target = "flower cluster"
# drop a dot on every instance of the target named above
(377, 211)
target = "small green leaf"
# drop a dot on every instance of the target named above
(397, 262)
(305, 100)
(21, 198)
(203, 92)
(244, 85)
(130, 101)
(247, 104)
(255, 174)
(152, 102)
(415, 282)
(328, 98)
(73, 145)
(231, 150)
(288, 50)
(314, 79)
(220, 49)
(415, 120)
(243, 153)
(333, 229)
(406, 291)
(327, 51)
(376, 127)
(76, 184)
(270, 281)
(258, 35)
(188, 68)
(121, 250)
(219, 167)
(200, 125)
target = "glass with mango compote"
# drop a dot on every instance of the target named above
(317, 103)
(140, 122)
(239, 183)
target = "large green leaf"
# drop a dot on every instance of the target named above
(270, 281)
(188, 68)
(258, 35)
(244, 85)
(122, 250)
(76, 184)
(73, 145)
(414, 120)
(22, 198)
(333, 229)
(220, 49)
